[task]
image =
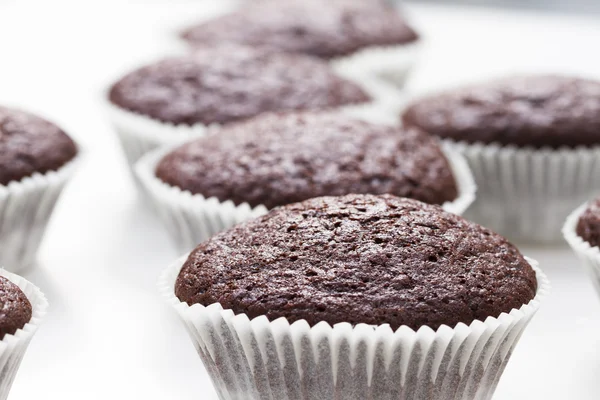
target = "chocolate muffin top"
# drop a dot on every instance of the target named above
(359, 259)
(277, 159)
(15, 308)
(537, 111)
(229, 83)
(30, 144)
(325, 29)
(588, 226)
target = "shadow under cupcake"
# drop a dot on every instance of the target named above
(355, 297)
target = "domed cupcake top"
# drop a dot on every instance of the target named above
(30, 144)
(536, 110)
(277, 159)
(230, 83)
(359, 259)
(324, 29)
(15, 308)
(588, 226)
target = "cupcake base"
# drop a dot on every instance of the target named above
(25, 210)
(140, 134)
(526, 194)
(13, 347)
(262, 359)
(191, 219)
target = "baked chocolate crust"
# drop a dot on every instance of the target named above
(359, 259)
(231, 83)
(536, 111)
(30, 144)
(278, 159)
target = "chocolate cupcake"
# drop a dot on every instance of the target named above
(242, 170)
(16, 308)
(582, 232)
(23, 307)
(532, 143)
(588, 226)
(36, 160)
(177, 99)
(356, 297)
(363, 35)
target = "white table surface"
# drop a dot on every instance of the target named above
(108, 333)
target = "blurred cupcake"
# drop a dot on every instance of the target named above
(532, 143)
(178, 99)
(241, 171)
(362, 35)
(23, 307)
(582, 232)
(355, 297)
(36, 160)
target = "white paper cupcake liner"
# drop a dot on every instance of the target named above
(25, 209)
(140, 134)
(193, 218)
(390, 63)
(261, 359)
(525, 194)
(588, 254)
(13, 347)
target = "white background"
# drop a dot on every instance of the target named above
(108, 333)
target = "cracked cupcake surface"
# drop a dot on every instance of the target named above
(223, 84)
(30, 144)
(15, 308)
(277, 159)
(359, 259)
(530, 110)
